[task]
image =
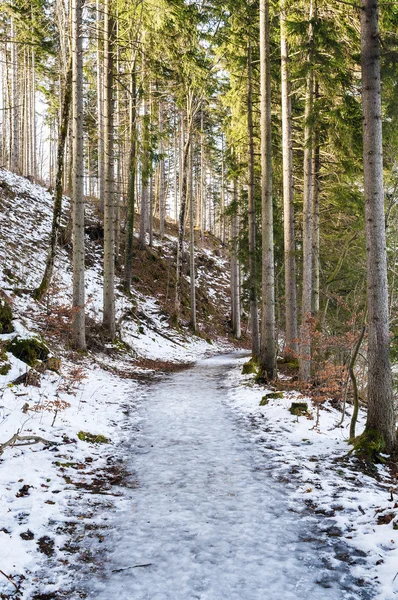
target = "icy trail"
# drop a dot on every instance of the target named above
(206, 522)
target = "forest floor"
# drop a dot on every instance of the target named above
(162, 477)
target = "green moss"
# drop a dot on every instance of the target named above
(369, 446)
(299, 409)
(250, 367)
(6, 325)
(5, 368)
(29, 350)
(270, 396)
(92, 438)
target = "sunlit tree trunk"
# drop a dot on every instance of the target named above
(252, 213)
(192, 243)
(100, 107)
(15, 108)
(58, 191)
(381, 415)
(79, 335)
(235, 276)
(267, 348)
(131, 183)
(306, 304)
(109, 197)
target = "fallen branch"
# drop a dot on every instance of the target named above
(9, 579)
(27, 440)
(132, 567)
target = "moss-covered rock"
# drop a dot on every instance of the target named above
(86, 436)
(299, 409)
(369, 446)
(6, 325)
(29, 350)
(250, 367)
(4, 368)
(270, 396)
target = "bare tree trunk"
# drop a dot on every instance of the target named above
(109, 198)
(131, 184)
(79, 332)
(100, 109)
(183, 209)
(162, 199)
(381, 415)
(235, 275)
(192, 242)
(15, 108)
(176, 162)
(316, 165)
(144, 172)
(267, 348)
(291, 331)
(252, 214)
(33, 118)
(306, 304)
(58, 191)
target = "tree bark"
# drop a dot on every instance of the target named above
(100, 110)
(109, 198)
(291, 331)
(235, 276)
(131, 185)
(78, 325)
(252, 213)
(15, 109)
(267, 348)
(58, 191)
(381, 414)
(183, 210)
(306, 304)
(192, 243)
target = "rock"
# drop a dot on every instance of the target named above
(29, 350)
(92, 438)
(299, 409)
(270, 396)
(6, 325)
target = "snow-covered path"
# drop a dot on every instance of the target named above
(206, 521)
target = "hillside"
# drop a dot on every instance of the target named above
(139, 455)
(65, 393)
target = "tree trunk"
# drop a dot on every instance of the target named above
(182, 216)
(252, 213)
(109, 208)
(192, 243)
(58, 191)
(15, 109)
(381, 416)
(291, 331)
(235, 275)
(79, 334)
(316, 165)
(306, 304)
(100, 110)
(162, 199)
(267, 348)
(131, 185)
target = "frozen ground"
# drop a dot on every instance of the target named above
(207, 520)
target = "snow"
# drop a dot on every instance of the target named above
(207, 519)
(316, 471)
(220, 497)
